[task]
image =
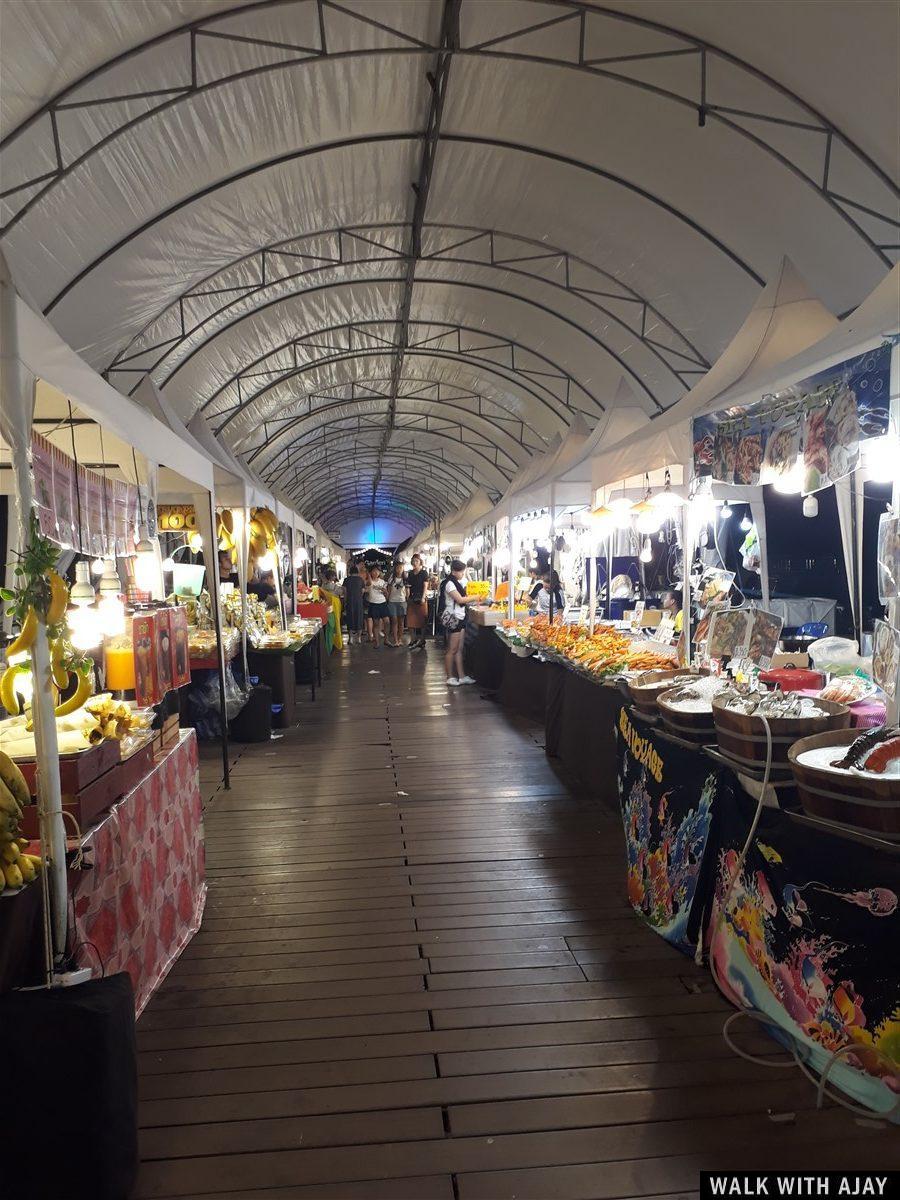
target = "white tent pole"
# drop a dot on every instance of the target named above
(205, 512)
(687, 551)
(552, 541)
(17, 389)
(758, 513)
(513, 556)
(592, 584)
(240, 520)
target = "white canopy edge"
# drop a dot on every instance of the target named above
(47, 357)
(785, 320)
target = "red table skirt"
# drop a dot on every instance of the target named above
(143, 900)
(322, 611)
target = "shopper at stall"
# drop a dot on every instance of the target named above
(354, 586)
(550, 587)
(452, 606)
(416, 604)
(367, 620)
(227, 569)
(671, 606)
(377, 593)
(397, 596)
(263, 585)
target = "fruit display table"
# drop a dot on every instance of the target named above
(485, 655)
(142, 900)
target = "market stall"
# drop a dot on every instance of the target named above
(85, 473)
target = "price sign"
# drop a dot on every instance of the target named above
(637, 614)
(665, 630)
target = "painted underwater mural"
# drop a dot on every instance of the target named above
(667, 795)
(811, 939)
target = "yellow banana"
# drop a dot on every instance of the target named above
(14, 779)
(13, 875)
(257, 529)
(59, 598)
(57, 665)
(2, 881)
(227, 519)
(9, 804)
(26, 635)
(78, 697)
(36, 861)
(9, 697)
(10, 853)
(26, 870)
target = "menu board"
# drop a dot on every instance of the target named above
(886, 658)
(743, 633)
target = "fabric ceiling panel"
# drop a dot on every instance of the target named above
(133, 286)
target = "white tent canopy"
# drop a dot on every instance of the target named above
(359, 348)
(785, 319)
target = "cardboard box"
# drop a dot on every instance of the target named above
(796, 658)
(146, 671)
(181, 655)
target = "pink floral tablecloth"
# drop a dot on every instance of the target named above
(143, 899)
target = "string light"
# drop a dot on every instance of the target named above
(746, 525)
(726, 511)
(646, 551)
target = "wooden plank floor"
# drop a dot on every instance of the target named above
(417, 978)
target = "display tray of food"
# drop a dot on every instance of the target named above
(645, 688)
(851, 778)
(281, 642)
(848, 689)
(741, 731)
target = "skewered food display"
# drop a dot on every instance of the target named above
(605, 652)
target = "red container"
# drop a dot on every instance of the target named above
(793, 679)
(146, 672)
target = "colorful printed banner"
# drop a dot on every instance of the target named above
(667, 795)
(85, 510)
(823, 418)
(808, 939)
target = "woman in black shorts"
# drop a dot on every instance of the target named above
(377, 593)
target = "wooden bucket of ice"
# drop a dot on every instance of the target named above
(645, 689)
(690, 725)
(866, 802)
(742, 736)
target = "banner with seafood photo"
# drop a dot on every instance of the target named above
(669, 795)
(808, 940)
(819, 422)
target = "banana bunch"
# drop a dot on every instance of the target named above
(115, 719)
(225, 532)
(16, 867)
(263, 533)
(53, 593)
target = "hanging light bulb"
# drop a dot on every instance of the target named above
(82, 592)
(501, 558)
(301, 556)
(667, 500)
(168, 564)
(85, 627)
(746, 524)
(109, 581)
(810, 507)
(791, 482)
(726, 511)
(646, 551)
(111, 614)
(622, 509)
(195, 541)
(97, 566)
(880, 457)
(144, 545)
(266, 561)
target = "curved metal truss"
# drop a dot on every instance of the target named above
(517, 365)
(285, 267)
(585, 23)
(472, 408)
(487, 454)
(401, 470)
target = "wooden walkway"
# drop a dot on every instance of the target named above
(417, 979)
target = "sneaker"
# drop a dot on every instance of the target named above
(453, 682)
(467, 679)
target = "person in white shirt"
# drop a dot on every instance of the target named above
(396, 605)
(550, 586)
(453, 619)
(377, 596)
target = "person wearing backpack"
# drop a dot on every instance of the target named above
(453, 602)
